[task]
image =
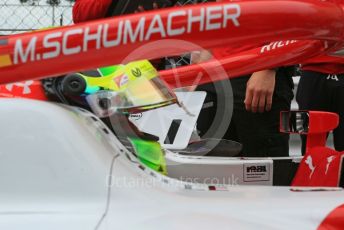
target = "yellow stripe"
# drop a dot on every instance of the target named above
(5, 60)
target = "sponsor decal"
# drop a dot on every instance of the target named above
(136, 116)
(256, 172)
(329, 161)
(255, 169)
(121, 80)
(276, 45)
(136, 72)
(28, 89)
(124, 80)
(309, 162)
(25, 85)
(332, 77)
(55, 43)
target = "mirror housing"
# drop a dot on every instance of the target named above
(294, 122)
(308, 122)
(314, 124)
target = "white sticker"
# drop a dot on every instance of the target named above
(256, 172)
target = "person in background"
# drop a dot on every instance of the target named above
(87, 10)
(258, 99)
(321, 87)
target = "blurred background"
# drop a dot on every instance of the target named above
(26, 15)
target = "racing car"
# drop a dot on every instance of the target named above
(64, 166)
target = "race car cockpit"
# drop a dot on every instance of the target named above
(158, 126)
(144, 113)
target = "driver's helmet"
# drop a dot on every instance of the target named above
(132, 88)
(129, 88)
(115, 92)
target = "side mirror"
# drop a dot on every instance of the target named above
(308, 122)
(294, 122)
(314, 124)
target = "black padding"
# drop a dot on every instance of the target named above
(284, 171)
(213, 147)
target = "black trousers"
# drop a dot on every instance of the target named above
(258, 132)
(323, 92)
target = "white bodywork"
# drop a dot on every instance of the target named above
(61, 168)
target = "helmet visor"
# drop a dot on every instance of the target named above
(140, 89)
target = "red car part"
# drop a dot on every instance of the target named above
(315, 124)
(31, 89)
(320, 124)
(288, 52)
(264, 57)
(321, 166)
(334, 220)
(105, 42)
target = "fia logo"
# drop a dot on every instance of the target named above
(136, 72)
(332, 77)
(25, 85)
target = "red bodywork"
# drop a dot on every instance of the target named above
(321, 166)
(320, 124)
(28, 89)
(39, 54)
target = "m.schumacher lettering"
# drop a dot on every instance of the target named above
(55, 44)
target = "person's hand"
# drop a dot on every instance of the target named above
(142, 9)
(259, 91)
